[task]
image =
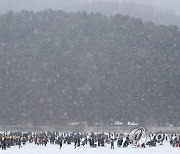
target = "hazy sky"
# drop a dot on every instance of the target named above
(160, 4)
(42, 4)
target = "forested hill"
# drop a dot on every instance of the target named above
(57, 68)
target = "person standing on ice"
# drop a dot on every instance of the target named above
(19, 142)
(120, 141)
(75, 142)
(60, 144)
(126, 142)
(45, 141)
(4, 144)
(112, 143)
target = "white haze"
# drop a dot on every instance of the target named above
(36, 5)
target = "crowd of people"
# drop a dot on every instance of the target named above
(94, 140)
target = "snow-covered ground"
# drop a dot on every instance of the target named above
(69, 149)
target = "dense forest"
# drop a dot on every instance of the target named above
(58, 67)
(142, 11)
(137, 9)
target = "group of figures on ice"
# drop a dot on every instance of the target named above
(136, 138)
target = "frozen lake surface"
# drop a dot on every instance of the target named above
(69, 149)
